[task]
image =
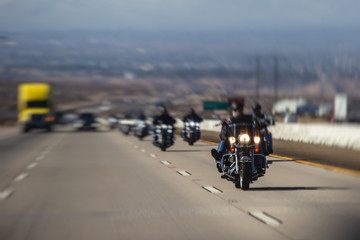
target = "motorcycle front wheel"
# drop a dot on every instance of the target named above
(244, 177)
(163, 145)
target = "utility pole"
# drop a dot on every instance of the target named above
(276, 78)
(2, 38)
(257, 78)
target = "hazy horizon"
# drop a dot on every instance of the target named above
(185, 15)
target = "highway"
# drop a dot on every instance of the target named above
(104, 185)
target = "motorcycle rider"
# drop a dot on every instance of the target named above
(262, 124)
(141, 116)
(162, 118)
(192, 116)
(237, 111)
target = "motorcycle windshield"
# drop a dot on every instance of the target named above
(243, 129)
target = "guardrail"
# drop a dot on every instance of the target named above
(340, 135)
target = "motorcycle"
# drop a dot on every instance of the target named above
(244, 160)
(163, 136)
(191, 132)
(141, 129)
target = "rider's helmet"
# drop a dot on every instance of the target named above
(236, 109)
(161, 108)
(256, 106)
(236, 106)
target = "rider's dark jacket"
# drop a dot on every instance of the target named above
(225, 132)
(164, 118)
(192, 116)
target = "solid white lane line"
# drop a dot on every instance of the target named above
(265, 218)
(153, 155)
(32, 165)
(22, 176)
(39, 158)
(136, 146)
(165, 163)
(184, 173)
(6, 193)
(212, 189)
(143, 150)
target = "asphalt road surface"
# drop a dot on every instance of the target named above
(104, 185)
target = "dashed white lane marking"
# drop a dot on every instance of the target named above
(184, 173)
(32, 165)
(165, 163)
(22, 176)
(212, 189)
(136, 146)
(6, 193)
(153, 155)
(143, 150)
(39, 158)
(265, 218)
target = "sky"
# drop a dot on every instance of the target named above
(178, 15)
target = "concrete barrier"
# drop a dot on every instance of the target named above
(340, 135)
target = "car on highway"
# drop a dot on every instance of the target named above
(86, 121)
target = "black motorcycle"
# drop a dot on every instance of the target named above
(191, 132)
(244, 160)
(141, 129)
(163, 136)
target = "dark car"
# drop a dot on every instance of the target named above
(37, 121)
(86, 121)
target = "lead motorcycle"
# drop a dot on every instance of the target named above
(244, 160)
(191, 132)
(163, 136)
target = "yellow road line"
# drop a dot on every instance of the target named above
(204, 141)
(337, 169)
(277, 156)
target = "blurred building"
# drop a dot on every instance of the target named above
(346, 109)
(294, 106)
(325, 110)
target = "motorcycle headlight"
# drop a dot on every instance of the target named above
(197, 124)
(232, 140)
(244, 138)
(169, 130)
(257, 139)
(186, 124)
(169, 127)
(163, 126)
(192, 124)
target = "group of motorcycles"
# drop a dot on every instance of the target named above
(162, 134)
(244, 159)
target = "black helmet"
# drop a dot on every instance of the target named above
(161, 108)
(256, 106)
(236, 106)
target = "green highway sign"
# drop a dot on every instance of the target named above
(211, 105)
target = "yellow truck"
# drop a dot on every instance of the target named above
(35, 107)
